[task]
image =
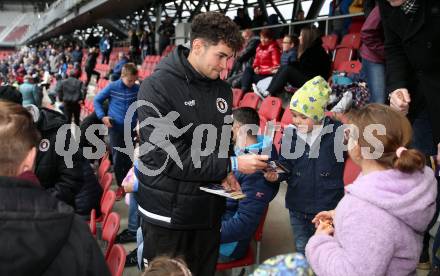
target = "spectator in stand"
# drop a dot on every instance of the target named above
(30, 92)
(46, 78)
(290, 50)
(412, 62)
(166, 266)
(377, 228)
(245, 58)
(242, 19)
(166, 31)
(116, 71)
(312, 61)
(105, 46)
(77, 54)
(259, 20)
(121, 94)
(90, 65)
(242, 217)
(315, 178)
(373, 56)
(187, 221)
(134, 47)
(266, 62)
(61, 181)
(72, 93)
(60, 242)
(53, 61)
(145, 44)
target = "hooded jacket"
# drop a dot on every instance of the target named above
(379, 226)
(242, 217)
(180, 100)
(40, 235)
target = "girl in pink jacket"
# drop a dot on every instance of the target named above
(377, 228)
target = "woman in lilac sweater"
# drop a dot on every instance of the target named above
(377, 228)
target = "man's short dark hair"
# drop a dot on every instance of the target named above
(246, 116)
(11, 94)
(215, 27)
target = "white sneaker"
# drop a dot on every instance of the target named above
(261, 94)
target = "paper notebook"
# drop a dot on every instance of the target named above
(218, 189)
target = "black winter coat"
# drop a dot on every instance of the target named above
(314, 61)
(172, 198)
(412, 54)
(40, 235)
(62, 182)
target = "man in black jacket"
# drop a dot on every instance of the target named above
(412, 43)
(185, 93)
(64, 183)
(72, 93)
(412, 56)
(39, 235)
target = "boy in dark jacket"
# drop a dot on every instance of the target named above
(39, 235)
(242, 217)
(315, 182)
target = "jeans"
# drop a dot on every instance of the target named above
(133, 217)
(303, 229)
(374, 74)
(422, 134)
(121, 162)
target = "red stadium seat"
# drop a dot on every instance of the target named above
(352, 66)
(270, 109)
(92, 223)
(352, 41)
(106, 182)
(116, 260)
(329, 42)
(110, 230)
(107, 202)
(351, 171)
(250, 100)
(342, 54)
(237, 94)
(104, 166)
(248, 259)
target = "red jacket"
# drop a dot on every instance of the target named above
(267, 58)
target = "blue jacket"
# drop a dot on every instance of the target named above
(118, 68)
(120, 98)
(242, 217)
(314, 184)
(30, 93)
(288, 57)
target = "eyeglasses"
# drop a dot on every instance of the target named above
(286, 42)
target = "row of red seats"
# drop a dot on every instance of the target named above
(115, 254)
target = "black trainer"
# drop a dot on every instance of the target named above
(125, 237)
(132, 259)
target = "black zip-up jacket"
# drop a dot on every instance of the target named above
(62, 182)
(40, 235)
(172, 198)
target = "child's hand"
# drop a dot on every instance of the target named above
(324, 217)
(324, 229)
(128, 181)
(271, 176)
